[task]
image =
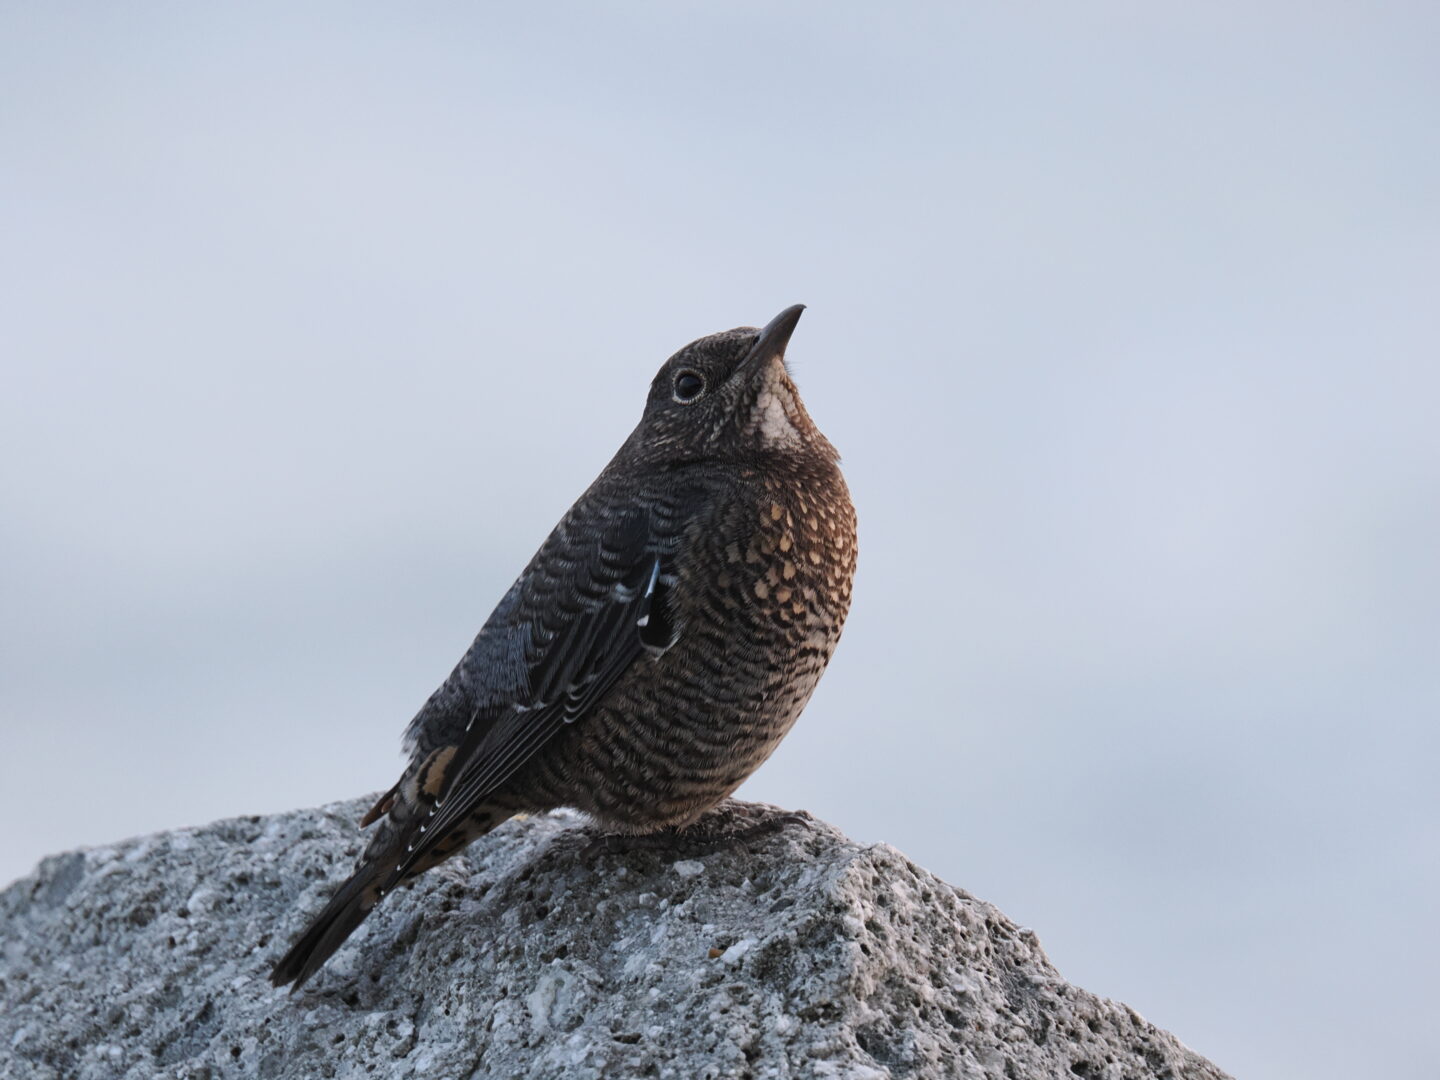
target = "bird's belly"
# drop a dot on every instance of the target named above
(677, 734)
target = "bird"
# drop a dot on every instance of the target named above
(653, 652)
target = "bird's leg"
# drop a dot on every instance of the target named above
(710, 832)
(620, 843)
(765, 827)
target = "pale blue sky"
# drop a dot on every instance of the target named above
(1123, 316)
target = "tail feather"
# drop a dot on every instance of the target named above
(384, 865)
(347, 909)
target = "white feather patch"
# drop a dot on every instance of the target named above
(773, 419)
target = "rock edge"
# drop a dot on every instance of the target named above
(777, 948)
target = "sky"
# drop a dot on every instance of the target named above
(1123, 317)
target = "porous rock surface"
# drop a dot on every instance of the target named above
(777, 949)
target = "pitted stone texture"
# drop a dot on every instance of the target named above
(778, 950)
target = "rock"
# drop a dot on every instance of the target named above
(776, 948)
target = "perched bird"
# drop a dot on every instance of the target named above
(655, 650)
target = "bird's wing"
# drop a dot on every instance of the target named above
(587, 624)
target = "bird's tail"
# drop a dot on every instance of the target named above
(347, 909)
(400, 850)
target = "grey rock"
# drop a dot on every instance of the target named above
(774, 948)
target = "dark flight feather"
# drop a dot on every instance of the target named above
(581, 660)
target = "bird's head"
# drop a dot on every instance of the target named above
(729, 396)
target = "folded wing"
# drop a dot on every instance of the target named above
(606, 612)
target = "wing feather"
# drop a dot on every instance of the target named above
(596, 628)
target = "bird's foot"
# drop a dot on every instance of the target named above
(620, 843)
(712, 832)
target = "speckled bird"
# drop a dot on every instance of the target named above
(655, 650)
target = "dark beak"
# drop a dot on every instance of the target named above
(776, 335)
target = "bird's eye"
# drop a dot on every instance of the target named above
(689, 385)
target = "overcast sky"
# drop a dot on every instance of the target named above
(1123, 316)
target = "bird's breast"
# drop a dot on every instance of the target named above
(762, 588)
(769, 573)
